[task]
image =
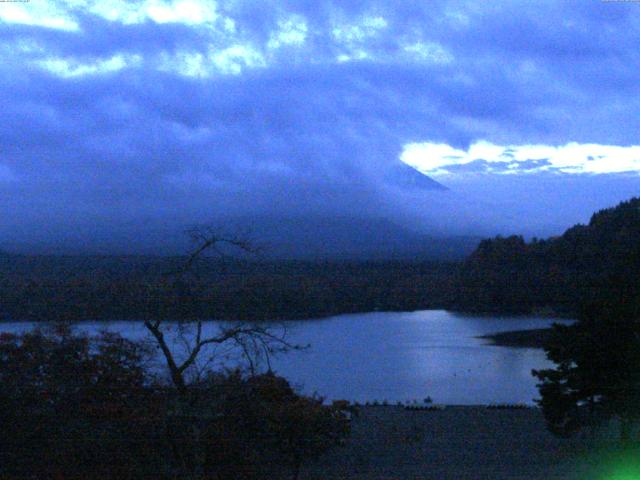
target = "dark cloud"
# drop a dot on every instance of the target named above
(302, 133)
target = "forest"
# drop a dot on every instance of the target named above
(46, 288)
(587, 262)
(503, 275)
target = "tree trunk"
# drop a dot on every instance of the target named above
(176, 374)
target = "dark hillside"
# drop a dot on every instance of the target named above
(509, 274)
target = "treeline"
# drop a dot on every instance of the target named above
(561, 273)
(504, 274)
(107, 288)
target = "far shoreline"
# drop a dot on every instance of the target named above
(534, 338)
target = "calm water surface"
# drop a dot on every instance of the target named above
(396, 356)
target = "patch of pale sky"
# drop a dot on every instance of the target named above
(233, 59)
(457, 18)
(437, 159)
(59, 15)
(430, 52)
(188, 64)
(230, 59)
(25, 47)
(354, 55)
(69, 68)
(357, 32)
(351, 37)
(37, 13)
(190, 12)
(291, 31)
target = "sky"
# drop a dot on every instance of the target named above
(130, 120)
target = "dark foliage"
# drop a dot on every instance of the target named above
(77, 407)
(137, 288)
(263, 429)
(510, 275)
(597, 373)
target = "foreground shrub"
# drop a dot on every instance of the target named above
(78, 407)
(74, 407)
(263, 429)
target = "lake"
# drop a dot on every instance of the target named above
(395, 356)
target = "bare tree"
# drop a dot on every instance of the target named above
(254, 341)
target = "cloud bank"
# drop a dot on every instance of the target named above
(125, 116)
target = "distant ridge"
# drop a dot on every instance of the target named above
(351, 238)
(311, 237)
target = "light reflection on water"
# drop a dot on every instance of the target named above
(396, 356)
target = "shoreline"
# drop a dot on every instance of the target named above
(457, 442)
(308, 316)
(534, 338)
(530, 338)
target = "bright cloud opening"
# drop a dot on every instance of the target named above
(234, 59)
(37, 13)
(429, 52)
(438, 159)
(368, 27)
(59, 15)
(67, 68)
(190, 12)
(292, 31)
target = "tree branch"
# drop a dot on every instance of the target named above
(206, 238)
